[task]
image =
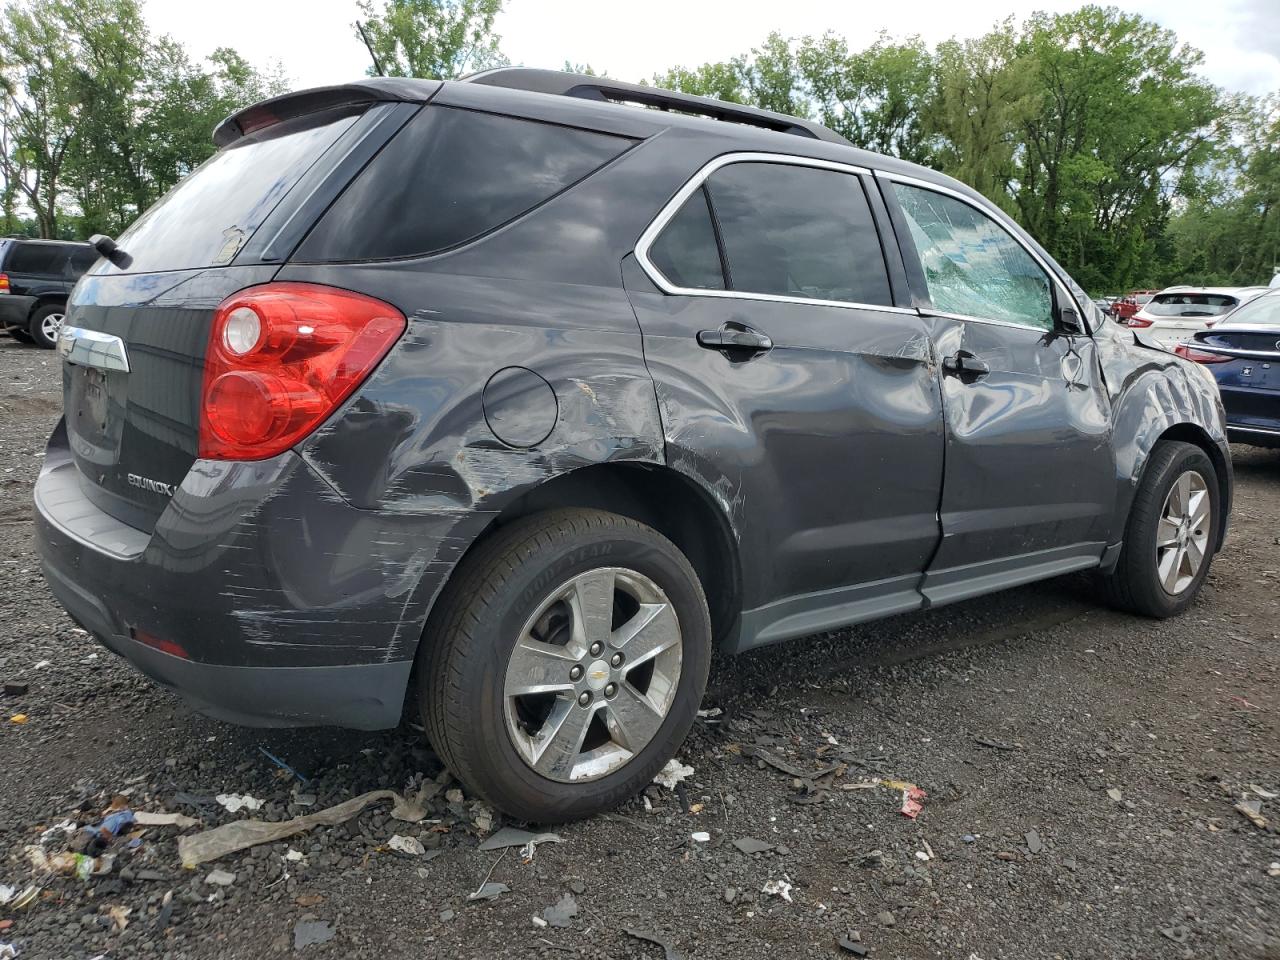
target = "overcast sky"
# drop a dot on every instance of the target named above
(314, 42)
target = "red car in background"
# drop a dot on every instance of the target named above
(1131, 303)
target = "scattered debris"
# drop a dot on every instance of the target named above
(70, 864)
(511, 837)
(241, 834)
(672, 774)
(994, 744)
(751, 845)
(309, 931)
(670, 952)
(886, 918)
(179, 820)
(1274, 869)
(1115, 794)
(235, 802)
(1034, 843)
(410, 846)
(852, 944)
(13, 688)
(1264, 794)
(1252, 810)
(220, 878)
(309, 900)
(119, 916)
(564, 910)
(281, 764)
(18, 718)
(8, 951)
(872, 860)
(95, 839)
(1177, 933)
(489, 890)
(778, 888)
(700, 836)
(538, 921)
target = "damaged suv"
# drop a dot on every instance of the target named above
(508, 401)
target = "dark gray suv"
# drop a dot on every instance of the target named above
(509, 400)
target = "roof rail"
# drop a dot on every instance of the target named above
(603, 88)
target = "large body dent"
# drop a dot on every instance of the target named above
(1153, 392)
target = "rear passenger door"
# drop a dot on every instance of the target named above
(1030, 474)
(793, 387)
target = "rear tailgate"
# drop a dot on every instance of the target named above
(133, 426)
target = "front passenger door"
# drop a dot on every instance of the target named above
(1029, 481)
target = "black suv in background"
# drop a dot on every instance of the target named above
(36, 277)
(510, 401)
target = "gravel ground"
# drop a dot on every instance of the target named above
(1081, 768)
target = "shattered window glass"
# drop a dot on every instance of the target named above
(971, 264)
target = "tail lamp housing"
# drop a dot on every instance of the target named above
(4, 283)
(1137, 321)
(1199, 356)
(282, 357)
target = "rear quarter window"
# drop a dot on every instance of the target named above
(38, 259)
(449, 177)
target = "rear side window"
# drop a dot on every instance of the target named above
(1189, 305)
(798, 231)
(206, 219)
(38, 259)
(82, 258)
(973, 267)
(450, 176)
(686, 252)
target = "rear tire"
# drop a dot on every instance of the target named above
(1158, 574)
(45, 325)
(607, 711)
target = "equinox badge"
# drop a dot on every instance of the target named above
(146, 483)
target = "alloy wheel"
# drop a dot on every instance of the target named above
(1182, 537)
(592, 675)
(51, 326)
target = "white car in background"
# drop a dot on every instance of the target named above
(1176, 314)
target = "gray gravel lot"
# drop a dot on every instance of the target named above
(1082, 769)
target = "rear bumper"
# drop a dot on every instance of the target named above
(284, 605)
(15, 310)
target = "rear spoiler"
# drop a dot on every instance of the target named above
(267, 113)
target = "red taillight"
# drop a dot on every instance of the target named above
(158, 643)
(1136, 321)
(1199, 356)
(4, 283)
(281, 358)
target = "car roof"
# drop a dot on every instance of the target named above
(38, 240)
(1217, 291)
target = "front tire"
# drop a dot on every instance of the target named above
(46, 323)
(565, 663)
(1170, 535)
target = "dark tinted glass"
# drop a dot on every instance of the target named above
(450, 176)
(686, 251)
(1189, 305)
(206, 219)
(798, 232)
(82, 258)
(41, 259)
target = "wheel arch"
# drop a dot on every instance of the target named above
(1197, 436)
(660, 496)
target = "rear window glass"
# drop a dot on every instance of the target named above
(206, 219)
(450, 176)
(1189, 305)
(1265, 311)
(41, 259)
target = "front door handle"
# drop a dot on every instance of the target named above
(965, 365)
(735, 336)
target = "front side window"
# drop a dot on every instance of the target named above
(972, 266)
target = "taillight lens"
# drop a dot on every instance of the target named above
(1136, 321)
(281, 359)
(1199, 356)
(4, 283)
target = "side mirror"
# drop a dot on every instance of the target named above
(1069, 320)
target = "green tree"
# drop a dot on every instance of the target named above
(441, 39)
(876, 97)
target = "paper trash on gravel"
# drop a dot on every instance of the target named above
(411, 846)
(179, 820)
(241, 834)
(489, 890)
(1252, 810)
(511, 837)
(307, 932)
(235, 802)
(672, 773)
(71, 864)
(563, 912)
(777, 888)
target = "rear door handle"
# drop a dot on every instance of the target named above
(965, 365)
(735, 336)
